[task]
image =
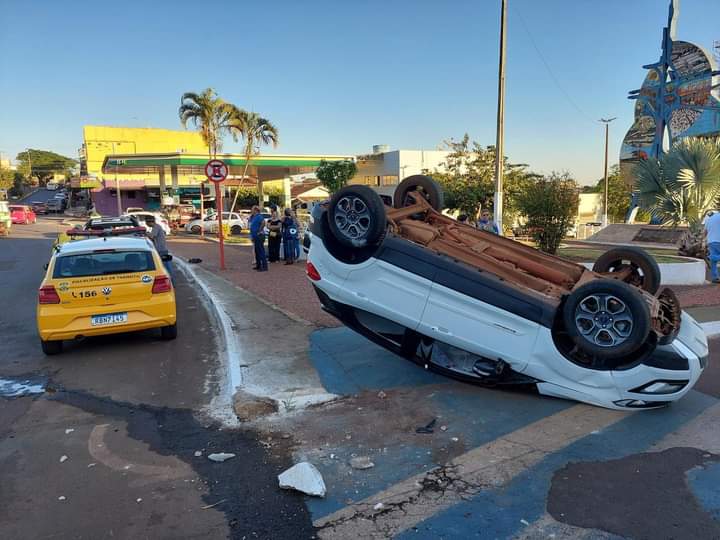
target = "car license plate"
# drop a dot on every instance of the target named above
(110, 318)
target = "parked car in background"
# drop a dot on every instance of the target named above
(159, 219)
(5, 219)
(236, 221)
(55, 205)
(22, 214)
(100, 225)
(104, 286)
(131, 209)
(39, 207)
(52, 186)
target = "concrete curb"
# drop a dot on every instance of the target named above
(687, 273)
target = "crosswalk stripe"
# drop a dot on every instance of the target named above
(494, 464)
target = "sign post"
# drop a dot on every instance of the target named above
(217, 171)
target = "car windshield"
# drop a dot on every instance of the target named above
(103, 263)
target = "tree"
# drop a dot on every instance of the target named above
(255, 131)
(468, 179)
(550, 205)
(43, 164)
(7, 178)
(683, 184)
(619, 195)
(210, 115)
(334, 175)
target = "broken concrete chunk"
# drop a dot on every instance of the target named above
(220, 457)
(303, 477)
(249, 407)
(198, 453)
(361, 462)
(63, 459)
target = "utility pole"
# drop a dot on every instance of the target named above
(499, 141)
(117, 184)
(29, 165)
(606, 121)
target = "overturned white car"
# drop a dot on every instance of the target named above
(490, 310)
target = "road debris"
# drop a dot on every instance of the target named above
(91, 465)
(63, 459)
(381, 394)
(61, 498)
(428, 428)
(361, 463)
(198, 453)
(207, 507)
(220, 456)
(138, 500)
(443, 428)
(68, 431)
(379, 506)
(194, 260)
(303, 477)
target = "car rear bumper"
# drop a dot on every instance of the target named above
(57, 323)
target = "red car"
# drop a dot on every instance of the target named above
(22, 214)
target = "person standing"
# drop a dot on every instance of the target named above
(712, 230)
(257, 234)
(157, 235)
(486, 223)
(274, 236)
(289, 235)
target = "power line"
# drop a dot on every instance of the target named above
(549, 69)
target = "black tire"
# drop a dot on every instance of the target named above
(430, 189)
(236, 229)
(356, 216)
(51, 347)
(592, 317)
(168, 332)
(646, 272)
(195, 229)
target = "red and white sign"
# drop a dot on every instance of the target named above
(216, 170)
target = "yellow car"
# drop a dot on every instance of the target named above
(104, 286)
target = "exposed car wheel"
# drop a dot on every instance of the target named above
(168, 332)
(356, 215)
(425, 185)
(606, 319)
(235, 229)
(195, 229)
(51, 347)
(645, 272)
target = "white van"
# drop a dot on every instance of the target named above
(52, 186)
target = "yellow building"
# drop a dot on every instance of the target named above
(149, 165)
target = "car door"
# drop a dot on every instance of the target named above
(391, 291)
(466, 313)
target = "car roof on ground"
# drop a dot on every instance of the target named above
(93, 244)
(110, 219)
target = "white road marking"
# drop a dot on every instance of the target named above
(494, 464)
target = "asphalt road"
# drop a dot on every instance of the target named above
(41, 195)
(107, 445)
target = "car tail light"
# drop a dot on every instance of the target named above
(162, 284)
(48, 295)
(312, 271)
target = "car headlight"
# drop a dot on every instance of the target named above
(661, 387)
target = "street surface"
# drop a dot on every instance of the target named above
(129, 413)
(102, 440)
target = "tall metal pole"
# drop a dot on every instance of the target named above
(29, 166)
(606, 121)
(499, 141)
(117, 184)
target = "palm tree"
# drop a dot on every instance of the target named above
(683, 184)
(210, 115)
(255, 131)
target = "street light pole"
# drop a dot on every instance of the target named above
(606, 121)
(500, 135)
(117, 184)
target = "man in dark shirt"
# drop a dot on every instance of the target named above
(257, 234)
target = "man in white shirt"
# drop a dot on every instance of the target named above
(712, 230)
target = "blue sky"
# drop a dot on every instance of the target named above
(339, 76)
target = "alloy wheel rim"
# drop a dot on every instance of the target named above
(604, 320)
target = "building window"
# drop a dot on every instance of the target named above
(389, 180)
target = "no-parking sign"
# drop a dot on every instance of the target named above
(216, 170)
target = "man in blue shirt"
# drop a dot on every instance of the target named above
(712, 229)
(257, 234)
